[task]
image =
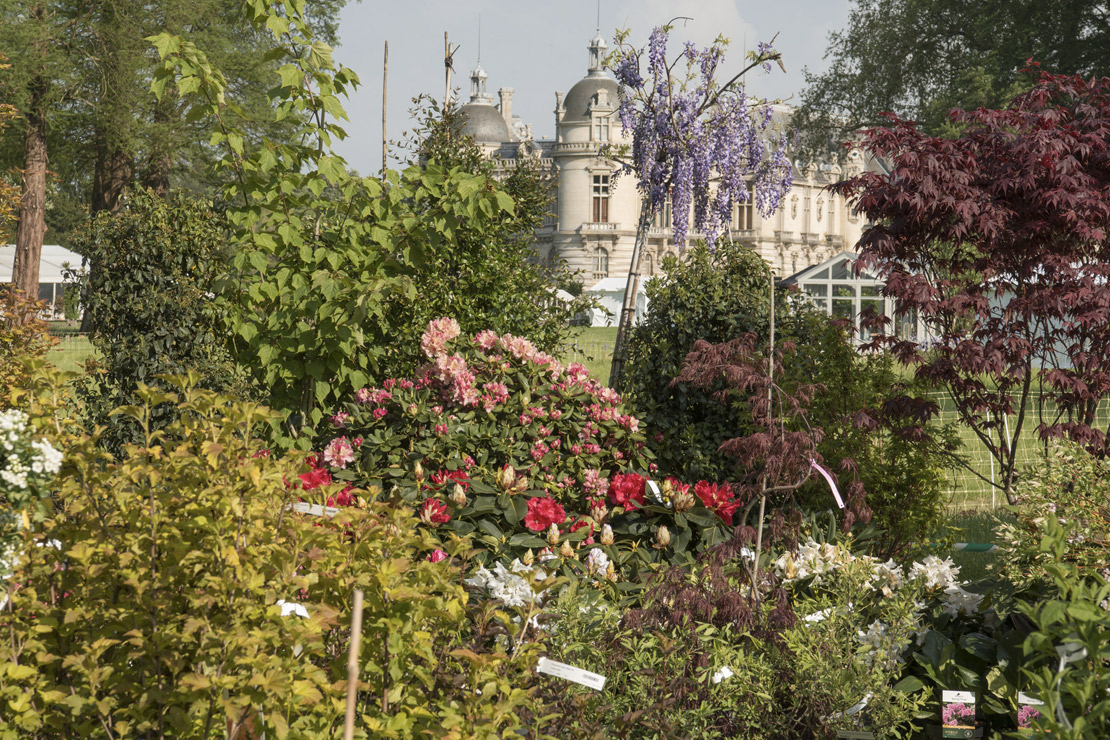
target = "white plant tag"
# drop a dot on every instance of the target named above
(314, 509)
(958, 697)
(1028, 701)
(570, 673)
(654, 488)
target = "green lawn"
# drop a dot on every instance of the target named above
(70, 353)
(593, 347)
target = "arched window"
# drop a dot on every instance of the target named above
(648, 268)
(601, 263)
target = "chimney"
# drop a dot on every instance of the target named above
(506, 94)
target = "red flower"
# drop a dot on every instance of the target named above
(717, 498)
(343, 498)
(452, 476)
(626, 489)
(315, 477)
(584, 523)
(434, 513)
(677, 485)
(542, 513)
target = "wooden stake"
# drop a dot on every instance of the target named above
(385, 80)
(352, 666)
(447, 70)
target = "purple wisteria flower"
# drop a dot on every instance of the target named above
(695, 141)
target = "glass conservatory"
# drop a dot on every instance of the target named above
(835, 288)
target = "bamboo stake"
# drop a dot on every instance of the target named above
(385, 81)
(352, 666)
(770, 408)
(447, 63)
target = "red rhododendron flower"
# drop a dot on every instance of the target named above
(315, 477)
(542, 513)
(434, 512)
(677, 485)
(343, 498)
(452, 477)
(626, 489)
(718, 498)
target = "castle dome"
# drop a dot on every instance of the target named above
(595, 87)
(484, 123)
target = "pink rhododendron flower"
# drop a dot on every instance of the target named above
(339, 421)
(487, 340)
(437, 335)
(362, 395)
(626, 489)
(380, 413)
(339, 452)
(542, 513)
(436, 555)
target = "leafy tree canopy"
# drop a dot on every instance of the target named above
(921, 58)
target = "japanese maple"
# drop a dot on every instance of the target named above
(996, 240)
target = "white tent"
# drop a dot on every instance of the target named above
(52, 281)
(610, 293)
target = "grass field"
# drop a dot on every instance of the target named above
(70, 352)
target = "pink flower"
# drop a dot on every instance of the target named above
(594, 483)
(437, 335)
(362, 395)
(542, 513)
(380, 413)
(339, 452)
(339, 421)
(487, 340)
(451, 476)
(441, 429)
(436, 556)
(389, 383)
(434, 513)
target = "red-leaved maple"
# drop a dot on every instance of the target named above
(997, 240)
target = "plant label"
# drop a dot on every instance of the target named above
(570, 673)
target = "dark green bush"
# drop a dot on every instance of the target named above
(870, 415)
(149, 297)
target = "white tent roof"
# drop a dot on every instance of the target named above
(612, 285)
(54, 258)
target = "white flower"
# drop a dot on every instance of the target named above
(723, 674)
(289, 608)
(956, 601)
(817, 616)
(938, 574)
(508, 588)
(597, 561)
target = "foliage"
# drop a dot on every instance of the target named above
(996, 240)
(23, 337)
(486, 275)
(921, 58)
(1067, 656)
(499, 440)
(147, 296)
(318, 273)
(688, 128)
(175, 594)
(707, 656)
(1071, 485)
(9, 192)
(712, 295)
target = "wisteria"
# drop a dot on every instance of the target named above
(696, 141)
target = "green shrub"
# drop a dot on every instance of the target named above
(1074, 486)
(23, 337)
(150, 603)
(148, 296)
(871, 417)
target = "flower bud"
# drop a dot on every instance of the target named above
(611, 573)
(458, 496)
(418, 472)
(683, 501)
(667, 490)
(553, 535)
(413, 409)
(662, 538)
(606, 535)
(506, 477)
(566, 550)
(598, 510)
(528, 558)
(521, 484)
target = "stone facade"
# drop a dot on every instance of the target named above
(592, 226)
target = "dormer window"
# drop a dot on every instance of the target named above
(601, 129)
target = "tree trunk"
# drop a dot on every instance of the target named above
(160, 163)
(32, 204)
(628, 308)
(111, 179)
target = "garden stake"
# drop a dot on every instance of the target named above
(770, 405)
(352, 666)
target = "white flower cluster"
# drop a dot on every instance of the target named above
(20, 458)
(507, 585)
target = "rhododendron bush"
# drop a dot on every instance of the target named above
(496, 438)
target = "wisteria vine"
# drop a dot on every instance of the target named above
(689, 130)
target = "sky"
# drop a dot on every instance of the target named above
(537, 48)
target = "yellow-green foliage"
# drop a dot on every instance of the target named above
(156, 615)
(23, 336)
